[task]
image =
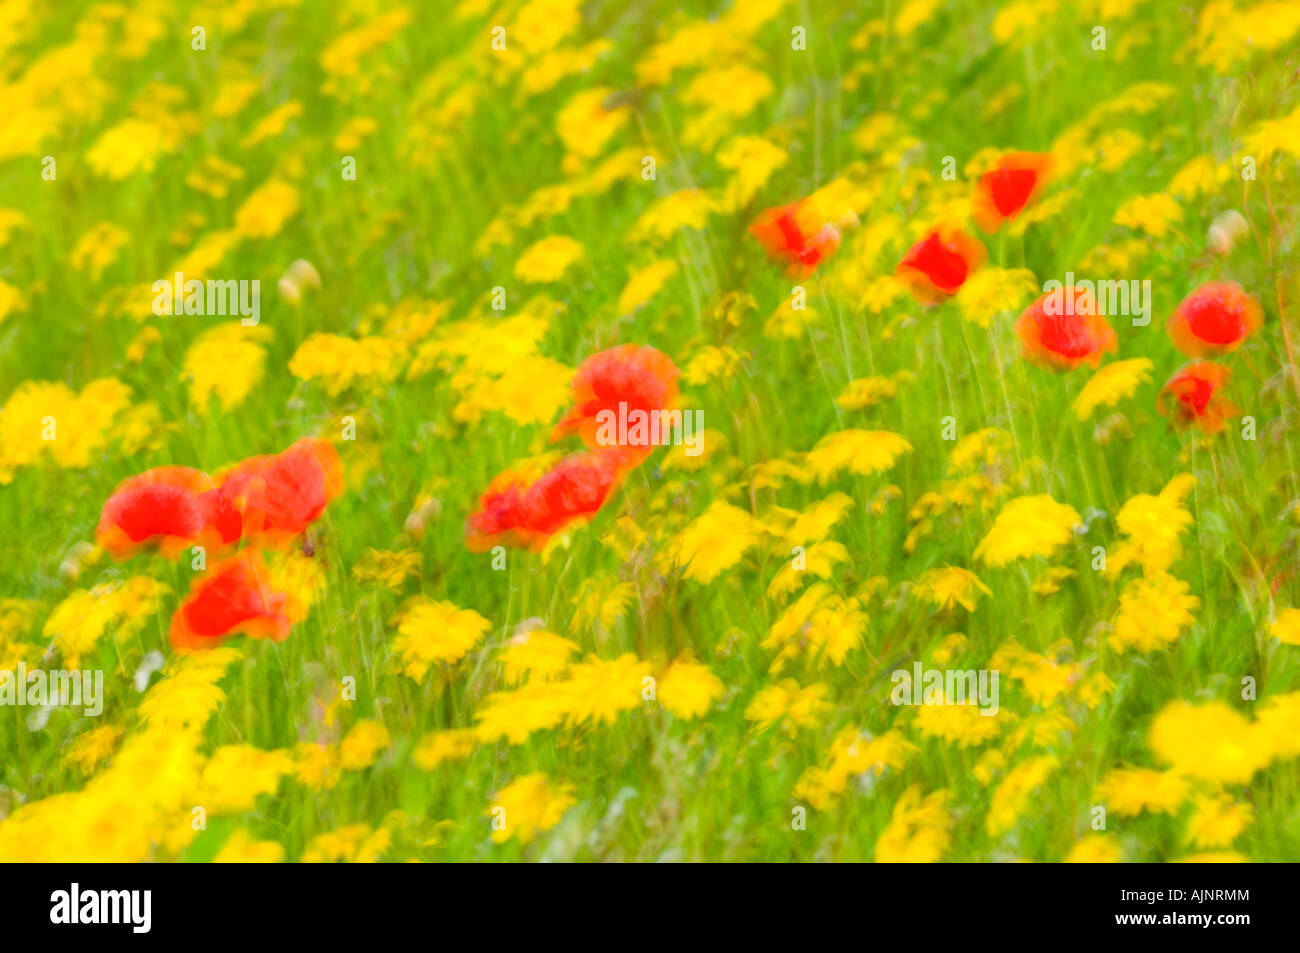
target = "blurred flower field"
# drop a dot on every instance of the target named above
(368, 578)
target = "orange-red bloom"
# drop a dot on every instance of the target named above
(273, 498)
(1194, 396)
(1004, 191)
(518, 512)
(1060, 338)
(796, 235)
(162, 507)
(1214, 319)
(234, 597)
(642, 378)
(938, 265)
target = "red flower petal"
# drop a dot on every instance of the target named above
(160, 506)
(1214, 319)
(1062, 342)
(1004, 191)
(1194, 396)
(938, 265)
(234, 597)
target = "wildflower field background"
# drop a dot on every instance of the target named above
(458, 629)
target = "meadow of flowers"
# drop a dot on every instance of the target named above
(368, 577)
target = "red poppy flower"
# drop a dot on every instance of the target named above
(639, 378)
(518, 512)
(797, 235)
(1060, 338)
(161, 506)
(1003, 192)
(1214, 319)
(234, 597)
(1194, 396)
(938, 265)
(276, 497)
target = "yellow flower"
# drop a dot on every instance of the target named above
(820, 624)
(963, 725)
(386, 568)
(862, 452)
(236, 774)
(436, 632)
(266, 209)
(354, 132)
(753, 159)
(316, 766)
(77, 622)
(714, 541)
(1217, 821)
(599, 691)
(1013, 794)
(867, 392)
(951, 586)
(363, 745)
(1209, 741)
(98, 248)
(527, 806)
(340, 362)
(1286, 627)
(89, 749)
(1153, 612)
(1278, 725)
(1050, 580)
(712, 363)
(11, 220)
(689, 208)
(355, 843)
(11, 300)
(689, 689)
(601, 599)
(547, 259)
(983, 448)
(725, 93)
(787, 700)
(536, 654)
(917, 832)
(1117, 381)
(1044, 679)
(1096, 849)
(240, 848)
(1214, 857)
(130, 146)
(585, 125)
(227, 362)
(439, 747)
(1153, 214)
(1027, 526)
(272, 124)
(1130, 791)
(820, 560)
(532, 390)
(515, 715)
(644, 283)
(992, 291)
(188, 695)
(812, 523)
(1202, 175)
(1153, 525)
